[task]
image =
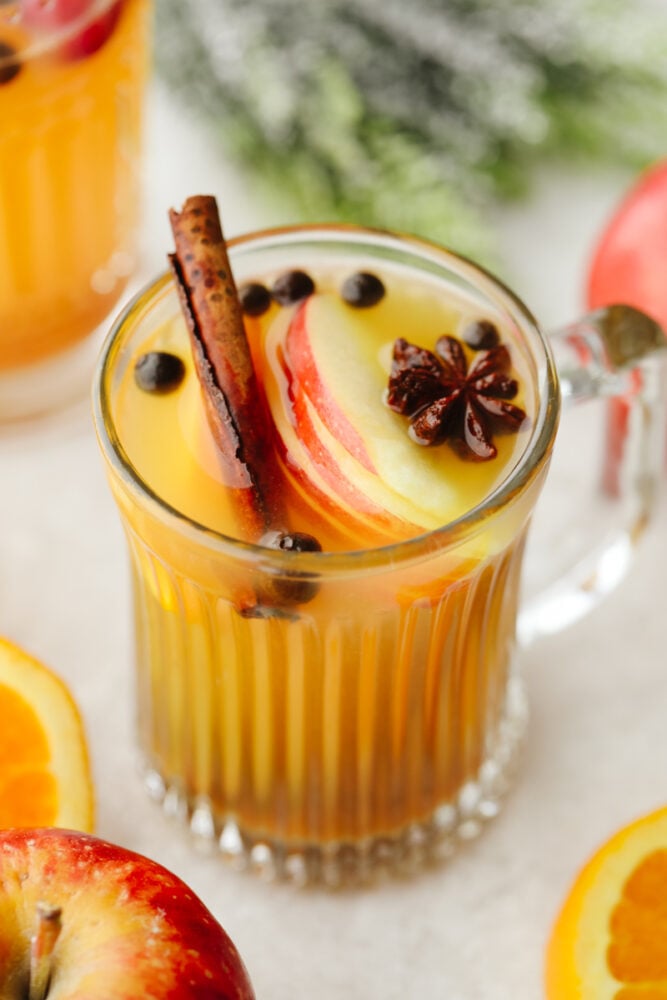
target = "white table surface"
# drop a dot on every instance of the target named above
(597, 744)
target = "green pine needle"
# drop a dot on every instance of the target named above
(418, 117)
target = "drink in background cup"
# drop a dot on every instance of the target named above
(72, 76)
(324, 713)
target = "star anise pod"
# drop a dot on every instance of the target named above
(447, 400)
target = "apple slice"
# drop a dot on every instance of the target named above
(81, 917)
(344, 492)
(51, 16)
(337, 370)
(310, 383)
(325, 473)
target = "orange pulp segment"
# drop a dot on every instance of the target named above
(44, 769)
(609, 941)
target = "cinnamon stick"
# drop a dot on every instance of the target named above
(236, 409)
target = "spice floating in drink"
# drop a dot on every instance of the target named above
(446, 399)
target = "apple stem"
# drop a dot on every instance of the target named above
(42, 945)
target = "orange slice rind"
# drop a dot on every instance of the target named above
(609, 941)
(44, 767)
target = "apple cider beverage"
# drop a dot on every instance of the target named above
(325, 483)
(72, 76)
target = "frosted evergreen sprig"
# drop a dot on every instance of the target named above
(418, 116)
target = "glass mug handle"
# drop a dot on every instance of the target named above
(612, 366)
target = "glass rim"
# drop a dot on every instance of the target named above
(518, 478)
(42, 42)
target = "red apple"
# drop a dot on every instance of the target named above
(49, 16)
(629, 265)
(630, 260)
(82, 918)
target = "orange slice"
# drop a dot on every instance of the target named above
(44, 770)
(610, 939)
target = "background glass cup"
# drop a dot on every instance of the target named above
(377, 725)
(72, 79)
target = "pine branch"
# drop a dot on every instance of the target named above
(418, 117)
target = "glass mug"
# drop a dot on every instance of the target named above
(375, 726)
(72, 79)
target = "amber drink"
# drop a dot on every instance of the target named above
(72, 76)
(324, 713)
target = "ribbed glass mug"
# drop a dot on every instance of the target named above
(376, 725)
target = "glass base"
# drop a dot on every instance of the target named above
(336, 863)
(62, 380)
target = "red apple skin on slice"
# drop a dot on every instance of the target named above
(322, 457)
(347, 510)
(308, 380)
(54, 15)
(313, 456)
(335, 384)
(130, 928)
